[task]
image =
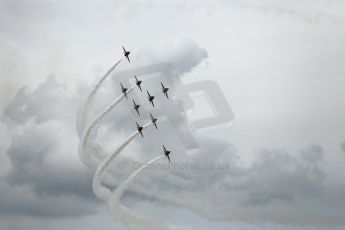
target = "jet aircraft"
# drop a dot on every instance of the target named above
(150, 98)
(138, 82)
(126, 53)
(165, 90)
(124, 90)
(140, 130)
(166, 152)
(154, 120)
(136, 107)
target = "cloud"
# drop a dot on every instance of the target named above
(278, 187)
(22, 201)
(46, 177)
(48, 102)
(43, 157)
(184, 56)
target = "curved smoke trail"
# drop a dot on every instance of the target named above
(128, 217)
(85, 109)
(86, 155)
(100, 191)
(131, 219)
(124, 185)
(113, 199)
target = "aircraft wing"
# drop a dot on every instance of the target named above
(128, 59)
(168, 158)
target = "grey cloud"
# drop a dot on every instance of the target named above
(278, 176)
(20, 200)
(29, 153)
(43, 155)
(277, 187)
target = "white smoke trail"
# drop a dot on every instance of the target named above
(100, 191)
(121, 188)
(85, 109)
(131, 219)
(86, 155)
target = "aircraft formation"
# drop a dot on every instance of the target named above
(150, 97)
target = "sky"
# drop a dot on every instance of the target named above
(279, 65)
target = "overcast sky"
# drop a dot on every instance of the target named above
(279, 64)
